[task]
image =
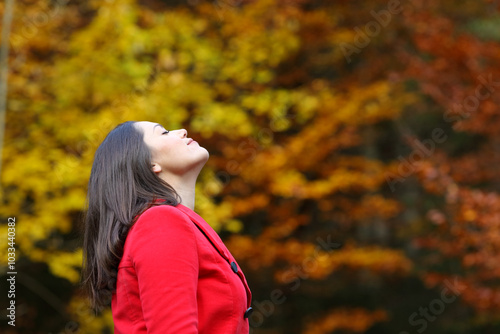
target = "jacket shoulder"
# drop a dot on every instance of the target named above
(161, 217)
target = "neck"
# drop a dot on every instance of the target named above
(185, 187)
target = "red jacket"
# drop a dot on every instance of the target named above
(176, 276)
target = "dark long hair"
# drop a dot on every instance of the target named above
(122, 185)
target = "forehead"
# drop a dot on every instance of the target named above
(148, 127)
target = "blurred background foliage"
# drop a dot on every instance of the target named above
(354, 150)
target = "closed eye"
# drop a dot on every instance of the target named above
(165, 132)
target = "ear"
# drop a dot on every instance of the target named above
(155, 167)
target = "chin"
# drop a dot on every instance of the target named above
(206, 152)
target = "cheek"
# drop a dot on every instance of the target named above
(165, 149)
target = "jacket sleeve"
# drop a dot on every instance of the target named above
(165, 257)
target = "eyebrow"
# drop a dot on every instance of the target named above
(157, 124)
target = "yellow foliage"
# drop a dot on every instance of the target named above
(319, 263)
(66, 265)
(88, 322)
(224, 74)
(356, 320)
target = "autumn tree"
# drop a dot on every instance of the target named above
(458, 70)
(314, 114)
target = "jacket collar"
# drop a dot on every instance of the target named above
(217, 242)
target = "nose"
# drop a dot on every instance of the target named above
(183, 133)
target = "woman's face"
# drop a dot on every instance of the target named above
(172, 152)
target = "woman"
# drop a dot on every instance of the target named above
(160, 265)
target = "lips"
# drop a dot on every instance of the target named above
(190, 141)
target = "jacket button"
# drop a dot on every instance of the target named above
(248, 312)
(234, 267)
